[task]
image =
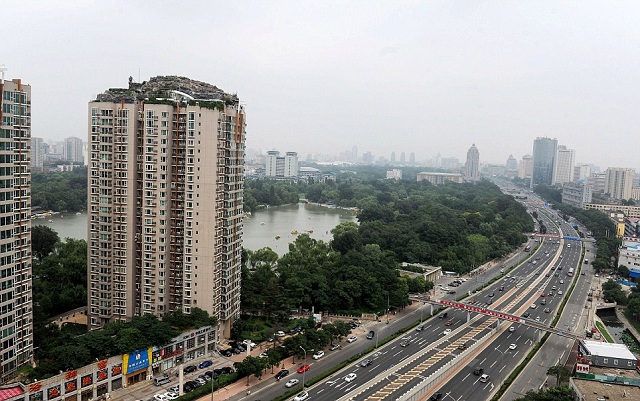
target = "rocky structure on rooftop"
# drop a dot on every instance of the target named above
(166, 87)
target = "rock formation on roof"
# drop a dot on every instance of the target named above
(160, 87)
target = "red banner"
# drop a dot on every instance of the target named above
(484, 311)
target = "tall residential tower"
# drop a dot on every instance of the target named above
(472, 167)
(16, 314)
(166, 160)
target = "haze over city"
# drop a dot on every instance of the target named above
(322, 77)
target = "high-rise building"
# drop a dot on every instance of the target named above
(16, 324)
(277, 166)
(73, 150)
(402, 158)
(544, 161)
(412, 158)
(472, 167)
(582, 171)
(393, 157)
(525, 168)
(511, 168)
(619, 182)
(165, 205)
(597, 182)
(37, 153)
(564, 165)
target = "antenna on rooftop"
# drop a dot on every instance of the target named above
(2, 70)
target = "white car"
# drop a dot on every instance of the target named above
(263, 355)
(559, 292)
(512, 329)
(160, 397)
(350, 377)
(303, 395)
(249, 343)
(171, 395)
(352, 339)
(533, 306)
(447, 331)
(291, 383)
(318, 355)
(280, 333)
(512, 346)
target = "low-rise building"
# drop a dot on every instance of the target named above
(629, 255)
(440, 178)
(597, 353)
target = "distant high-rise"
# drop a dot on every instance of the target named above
(544, 160)
(525, 168)
(619, 182)
(412, 158)
(582, 171)
(16, 324)
(73, 150)
(512, 165)
(393, 157)
(165, 183)
(472, 167)
(402, 158)
(565, 163)
(37, 153)
(354, 154)
(277, 166)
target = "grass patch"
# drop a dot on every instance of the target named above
(604, 332)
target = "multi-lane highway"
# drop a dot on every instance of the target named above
(397, 370)
(443, 355)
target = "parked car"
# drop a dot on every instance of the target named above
(190, 368)
(280, 333)
(226, 352)
(318, 355)
(205, 364)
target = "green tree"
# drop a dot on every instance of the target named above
(560, 372)
(43, 240)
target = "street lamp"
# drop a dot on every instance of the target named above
(305, 362)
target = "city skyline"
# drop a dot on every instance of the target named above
(426, 78)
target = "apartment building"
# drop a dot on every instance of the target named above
(566, 161)
(73, 150)
(16, 322)
(440, 178)
(166, 160)
(619, 182)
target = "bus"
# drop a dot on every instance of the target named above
(570, 272)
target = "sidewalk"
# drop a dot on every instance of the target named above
(627, 324)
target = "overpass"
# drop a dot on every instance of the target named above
(497, 314)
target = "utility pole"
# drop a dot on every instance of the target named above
(388, 308)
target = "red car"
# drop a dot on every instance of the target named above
(304, 368)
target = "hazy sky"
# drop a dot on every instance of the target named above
(415, 76)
